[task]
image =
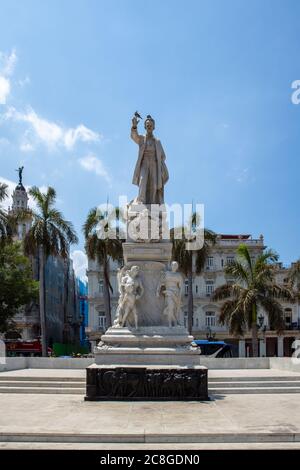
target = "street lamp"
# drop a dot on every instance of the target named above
(209, 334)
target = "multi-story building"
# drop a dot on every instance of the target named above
(83, 308)
(97, 320)
(206, 311)
(61, 297)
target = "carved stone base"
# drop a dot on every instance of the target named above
(146, 346)
(146, 383)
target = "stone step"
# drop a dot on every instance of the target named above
(13, 378)
(255, 384)
(256, 379)
(152, 438)
(39, 390)
(42, 384)
(252, 390)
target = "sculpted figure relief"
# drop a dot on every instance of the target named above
(130, 290)
(170, 285)
(151, 173)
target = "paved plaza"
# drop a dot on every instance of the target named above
(67, 421)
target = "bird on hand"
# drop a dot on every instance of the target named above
(137, 115)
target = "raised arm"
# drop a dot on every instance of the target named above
(134, 132)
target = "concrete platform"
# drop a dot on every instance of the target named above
(230, 420)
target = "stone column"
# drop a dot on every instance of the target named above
(262, 348)
(242, 350)
(280, 346)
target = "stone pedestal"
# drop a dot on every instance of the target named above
(153, 361)
(146, 383)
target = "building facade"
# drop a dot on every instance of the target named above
(63, 319)
(206, 311)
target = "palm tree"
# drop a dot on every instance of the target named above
(4, 226)
(254, 287)
(191, 261)
(103, 248)
(49, 234)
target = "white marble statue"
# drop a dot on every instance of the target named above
(151, 173)
(130, 290)
(170, 286)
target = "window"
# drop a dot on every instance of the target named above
(229, 260)
(210, 319)
(185, 319)
(101, 320)
(197, 323)
(196, 289)
(288, 316)
(209, 287)
(101, 286)
(209, 262)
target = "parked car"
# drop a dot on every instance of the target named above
(213, 348)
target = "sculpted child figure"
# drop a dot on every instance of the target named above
(130, 289)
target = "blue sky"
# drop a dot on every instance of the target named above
(216, 75)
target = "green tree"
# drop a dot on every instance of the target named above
(50, 234)
(102, 247)
(191, 261)
(17, 287)
(254, 287)
(5, 226)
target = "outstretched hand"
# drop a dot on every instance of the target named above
(135, 121)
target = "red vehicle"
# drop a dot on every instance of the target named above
(20, 347)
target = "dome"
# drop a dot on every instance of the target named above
(20, 187)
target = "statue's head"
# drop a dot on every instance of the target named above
(149, 124)
(174, 266)
(134, 270)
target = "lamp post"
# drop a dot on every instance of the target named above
(260, 321)
(263, 329)
(209, 334)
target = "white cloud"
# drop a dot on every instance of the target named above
(27, 142)
(8, 62)
(92, 163)
(26, 146)
(51, 133)
(11, 186)
(80, 264)
(7, 65)
(82, 133)
(4, 89)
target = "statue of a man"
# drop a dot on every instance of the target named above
(171, 285)
(151, 173)
(20, 171)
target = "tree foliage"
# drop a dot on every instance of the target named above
(17, 287)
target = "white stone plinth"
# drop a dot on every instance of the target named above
(147, 345)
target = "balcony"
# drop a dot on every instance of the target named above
(237, 242)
